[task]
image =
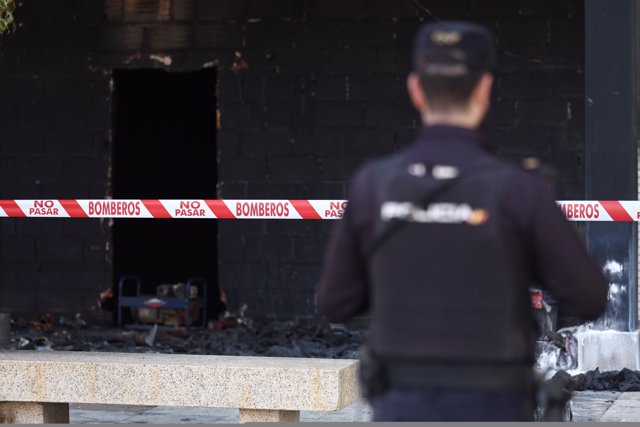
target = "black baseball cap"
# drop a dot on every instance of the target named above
(452, 48)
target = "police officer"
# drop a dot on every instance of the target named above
(440, 243)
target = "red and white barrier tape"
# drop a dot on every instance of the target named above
(603, 210)
(191, 209)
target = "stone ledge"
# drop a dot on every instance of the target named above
(267, 383)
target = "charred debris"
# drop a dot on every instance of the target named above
(230, 335)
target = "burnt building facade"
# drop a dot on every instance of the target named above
(240, 99)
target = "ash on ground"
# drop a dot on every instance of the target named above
(300, 338)
(623, 380)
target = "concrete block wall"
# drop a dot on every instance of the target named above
(307, 91)
(344, 100)
(54, 122)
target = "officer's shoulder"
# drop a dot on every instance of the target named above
(519, 175)
(514, 177)
(375, 164)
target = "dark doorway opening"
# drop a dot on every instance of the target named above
(164, 147)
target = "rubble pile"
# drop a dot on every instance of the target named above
(300, 338)
(624, 380)
(289, 339)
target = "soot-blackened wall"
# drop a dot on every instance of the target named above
(325, 88)
(307, 89)
(54, 123)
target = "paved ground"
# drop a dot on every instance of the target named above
(587, 406)
(92, 414)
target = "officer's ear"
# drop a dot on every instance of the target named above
(481, 94)
(417, 95)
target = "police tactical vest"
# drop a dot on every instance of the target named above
(443, 284)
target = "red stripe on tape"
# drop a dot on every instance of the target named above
(616, 211)
(156, 209)
(73, 209)
(305, 209)
(220, 209)
(11, 208)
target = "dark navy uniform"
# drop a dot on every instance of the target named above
(435, 300)
(444, 270)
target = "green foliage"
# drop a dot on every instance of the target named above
(7, 23)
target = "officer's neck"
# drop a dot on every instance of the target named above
(468, 118)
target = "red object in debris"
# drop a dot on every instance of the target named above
(107, 301)
(45, 323)
(536, 300)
